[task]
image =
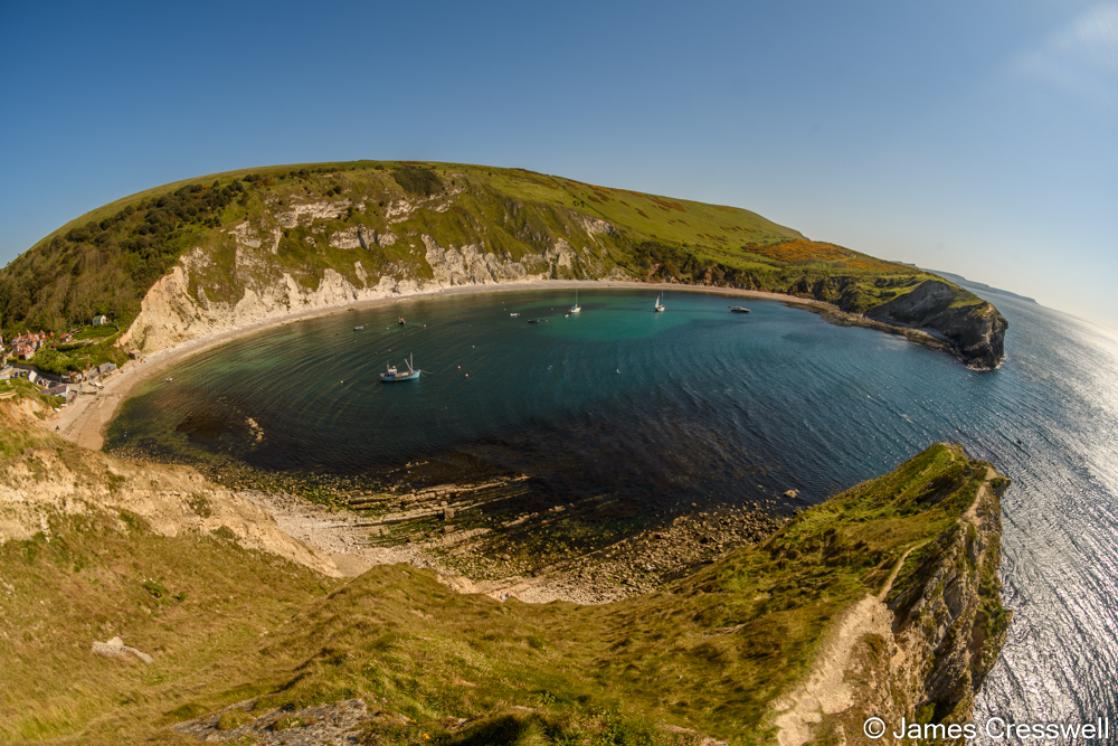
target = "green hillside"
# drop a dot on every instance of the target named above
(243, 232)
(105, 261)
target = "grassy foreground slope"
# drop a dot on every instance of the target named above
(245, 643)
(420, 223)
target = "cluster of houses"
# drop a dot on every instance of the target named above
(24, 346)
(27, 344)
(68, 387)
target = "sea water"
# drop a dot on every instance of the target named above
(660, 414)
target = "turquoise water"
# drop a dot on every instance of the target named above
(657, 414)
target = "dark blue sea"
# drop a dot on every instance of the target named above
(657, 414)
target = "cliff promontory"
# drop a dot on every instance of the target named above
(214, 253)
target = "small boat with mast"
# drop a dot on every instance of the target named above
(659, 307)
(394, 375)
(576, 308)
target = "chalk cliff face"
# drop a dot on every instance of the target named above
(948, 616)
(172, 313)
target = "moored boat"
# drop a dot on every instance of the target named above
(660, 307)
(576, 308)
(394, 375)
(738, 309)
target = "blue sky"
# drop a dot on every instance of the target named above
(980, 138)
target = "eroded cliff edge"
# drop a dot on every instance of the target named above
(975, 333)
(921, 646)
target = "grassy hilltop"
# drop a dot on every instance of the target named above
(363, 221)
(247, 644)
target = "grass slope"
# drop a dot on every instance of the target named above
(707, 653)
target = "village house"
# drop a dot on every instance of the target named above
(17, 372)
(27, 344)
(100, 320)
(66, 391)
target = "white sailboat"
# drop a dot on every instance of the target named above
(576, 308)
(660, 307)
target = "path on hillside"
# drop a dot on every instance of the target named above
(825, 691)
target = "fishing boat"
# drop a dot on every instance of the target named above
(393, 375)
(576, 308)
(660, 307)
(514, 315)
(359, 328)
(738, 309)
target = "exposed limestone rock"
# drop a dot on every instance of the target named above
(350, 238)
(246, 235)
(562, 255)
(115, 648)
(170, 314)
(469, 265)
(597, 226)
(307, 212)
(399, 210)
(332, 723)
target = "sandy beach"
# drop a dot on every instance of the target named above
(85, 419)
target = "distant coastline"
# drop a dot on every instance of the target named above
(985, 287)
(85, 420)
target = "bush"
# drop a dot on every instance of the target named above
(417, 180)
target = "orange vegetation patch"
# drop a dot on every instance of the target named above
(666, 204)
(804, 251)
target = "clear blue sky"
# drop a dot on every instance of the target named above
(980, 138)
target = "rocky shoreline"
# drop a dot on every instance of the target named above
(473, 535)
